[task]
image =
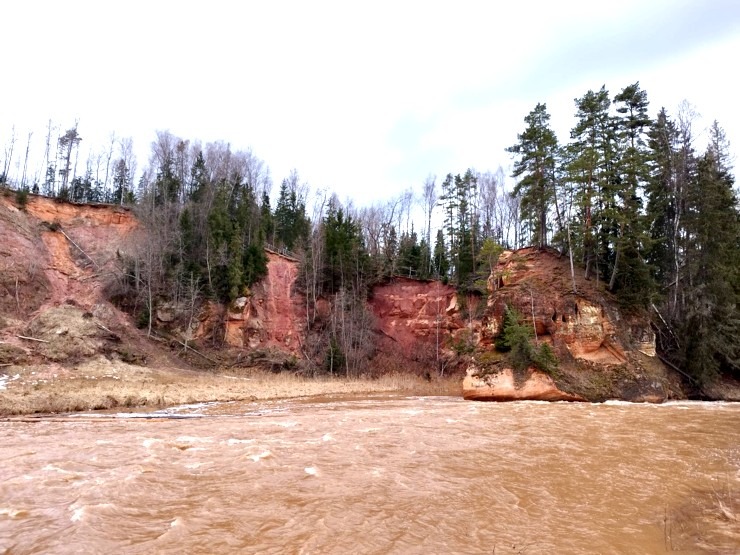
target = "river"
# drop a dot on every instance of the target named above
(376, 475)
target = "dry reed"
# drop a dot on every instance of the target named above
(88, 388)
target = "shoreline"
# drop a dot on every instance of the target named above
(53, 390)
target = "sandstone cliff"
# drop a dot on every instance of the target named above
(271, 317)
(419, 322)
(603, 352)
(57, 258)
(55, 261)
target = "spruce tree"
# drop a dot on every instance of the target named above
(710, 324)
(630, 276)
(440, 260)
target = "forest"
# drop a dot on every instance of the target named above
(628, 198)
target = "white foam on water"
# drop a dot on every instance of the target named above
(52, 468)
(289, 424)
(234, 441)
(310, 470)
(77, 514)
(188, 407)
(704, 405)
(262, 455)
(327, 437)
(151, 415)
(176, 522)
(149, 442)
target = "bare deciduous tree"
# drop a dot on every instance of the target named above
(429, 201)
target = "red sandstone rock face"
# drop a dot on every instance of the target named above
(608, 349)
(68, 259)
(55, 254)
(538, 284)
(103, 219)
(411, 312)
(274, 315)
(501, 386)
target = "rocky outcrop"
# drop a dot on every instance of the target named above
(538, 284)
(602, 352)
(503, 386)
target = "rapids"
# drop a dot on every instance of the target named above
(375, 475)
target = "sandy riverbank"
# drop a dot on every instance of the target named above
(102, 384)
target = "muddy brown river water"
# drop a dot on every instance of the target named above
(382, 475)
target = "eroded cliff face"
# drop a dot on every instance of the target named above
(603, 353)
(410, 316)
(55, 259)
(273, 316)
(410, 312)
(55, 254)
(421, 325)
(57, 251)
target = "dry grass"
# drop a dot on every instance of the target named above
(102, 384)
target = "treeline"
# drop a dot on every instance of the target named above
(105, 175)
(627, 198)
(636, 206)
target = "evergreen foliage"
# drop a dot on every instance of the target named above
(628, 197)
(516, 339)
(535, 166)
(291, 224)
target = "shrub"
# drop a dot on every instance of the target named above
(21, 198)
(516, 339)
(544, 359)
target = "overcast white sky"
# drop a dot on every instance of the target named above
(365, 99)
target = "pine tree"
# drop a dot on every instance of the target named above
(235, 268)
(590, 168)
(663, 204)
(409, 255)
(267, 223)
(535, 168)
(199, 181)
(448, 200)
(344, 253)
(291, 224)
(465, 251)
